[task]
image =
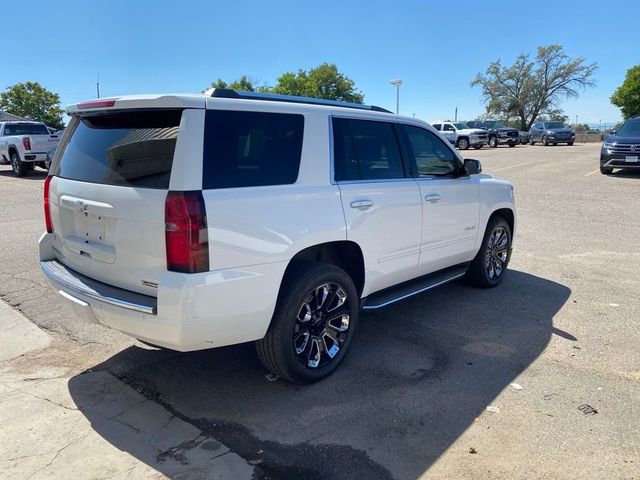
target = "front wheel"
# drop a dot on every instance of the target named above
(511, 145)
(463, 144)
(545, 142)
(313, 325)
(488, 267)
(19, 168)
(570, 143)
(532, 141)
(606, 170)
(493, 142)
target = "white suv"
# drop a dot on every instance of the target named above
(197, 221)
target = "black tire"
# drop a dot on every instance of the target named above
(463, 143)
(555, 144)
(19, 168)
(300, 287)
(511, 145)
(606, 170)
(493, 141)
(545, 142)
(570, 143)
(479, 271)
(477, 147)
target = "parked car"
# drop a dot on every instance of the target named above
(24, 145)
(197, 221)
(551, 133)
(499, 133)
(524, 137)
(460, 135)
(622, 148)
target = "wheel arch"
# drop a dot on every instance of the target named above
(507, 214)
(344, 254)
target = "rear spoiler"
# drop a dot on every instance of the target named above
(131, 102)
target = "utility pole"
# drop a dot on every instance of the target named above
(456, 114)
(397, 84)
(98, 84)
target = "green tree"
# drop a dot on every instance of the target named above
(323, 81)
(627, 95)
(31, 100)
(531, 87)
(243, 84)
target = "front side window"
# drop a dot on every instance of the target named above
(432, 156)
(366, 150)
(448, 128)
(437, 126)
(250, 149)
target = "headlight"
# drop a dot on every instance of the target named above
(549, 132)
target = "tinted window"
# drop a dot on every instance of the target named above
(432, 156)
(366, 150)
(437, 126)
(25, 129)
(132, 149)
(553, 125)
(249, 149)
(630, 128)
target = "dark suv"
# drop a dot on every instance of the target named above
(499, 133)
(622, 149)
(551, 133)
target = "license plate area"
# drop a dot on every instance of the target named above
(631, 159)
(88, 229)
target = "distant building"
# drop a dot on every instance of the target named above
(5, 116)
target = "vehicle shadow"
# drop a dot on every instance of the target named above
(35, 174)
(625, 174)
(418, 375)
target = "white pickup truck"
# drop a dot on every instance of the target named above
(26, 144)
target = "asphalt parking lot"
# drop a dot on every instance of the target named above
(410, 401)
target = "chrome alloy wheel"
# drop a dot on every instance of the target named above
(497, 253)
(322, 325)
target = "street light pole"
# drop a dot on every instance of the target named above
(397, 84)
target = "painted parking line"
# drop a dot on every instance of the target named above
(591, 173)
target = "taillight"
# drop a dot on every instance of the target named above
(45, 203)
(26, 143)
(186, 236)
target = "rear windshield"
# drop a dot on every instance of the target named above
(132, 149)
(25, 129)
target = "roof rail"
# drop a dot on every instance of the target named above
(229, 93)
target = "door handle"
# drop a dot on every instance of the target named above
(432, 197)
(364, 204)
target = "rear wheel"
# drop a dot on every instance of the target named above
(493, 142)
(463, 144)
(313, 325)
(489, 265)
(19, 168)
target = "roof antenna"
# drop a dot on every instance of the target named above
(98, 84)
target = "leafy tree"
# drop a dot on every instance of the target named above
(31, 100)
(627, 95)
(323, 81)
(531, 87)
(243, 84)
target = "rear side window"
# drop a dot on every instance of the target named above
(132, 149)
(25, 129)
(366, 150)
(250, 149)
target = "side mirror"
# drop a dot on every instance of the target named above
(472, 166)
(613, 132)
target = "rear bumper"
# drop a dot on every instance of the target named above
(190, 312)
(35, 157)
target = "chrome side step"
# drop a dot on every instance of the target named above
(413, 287)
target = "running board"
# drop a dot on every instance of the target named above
(413, 287)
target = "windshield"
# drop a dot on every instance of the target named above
(495, 124)
(460, 125)
(554, 125)
(631, 128)
(25, 129)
